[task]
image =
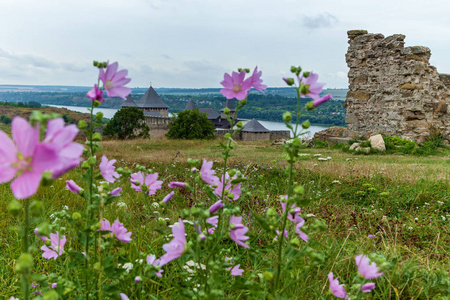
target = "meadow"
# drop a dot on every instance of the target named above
(401, 201)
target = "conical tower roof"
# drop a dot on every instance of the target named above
(190, 105)
(230, 106)
(254, 126)
(129, 102)
(151, 100)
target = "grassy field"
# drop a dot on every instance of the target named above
(403, 200)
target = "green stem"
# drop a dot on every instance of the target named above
(25, 274)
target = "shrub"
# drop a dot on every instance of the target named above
(5, 120)
(127, 123)
(191, 124)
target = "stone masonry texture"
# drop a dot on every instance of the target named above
(393, 90)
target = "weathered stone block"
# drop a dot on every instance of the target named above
(408, 86)
(377, 142)
(358, 95)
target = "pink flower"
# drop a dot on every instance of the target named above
(216, 206)
(300, 233)
(238, 231)
(137, 279)
(43, 238)
(95, 94)
(369, 271)
(54, 285)
(235, 86)
(294, 217)
(72, 186)
(57, 246)
(207, 173)
(150, 181)
(176, 246)
(123, 296)
(278, 233)
(337, 289)
(368, 287)
(60, 138)
(168, 197)
(25, 156)
(213, 221)
(151, 260)
(118, 229)
(175, 184)
(235, 271)
(115, 192)
(229, 189)
(108, 170)
(257, 81)
(371, 236)
(114, 81)
(321, 100)
(314, 88)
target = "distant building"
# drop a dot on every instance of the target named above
(219, 120)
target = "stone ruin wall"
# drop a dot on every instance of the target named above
(394, 90)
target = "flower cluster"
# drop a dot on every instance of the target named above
(236, 86)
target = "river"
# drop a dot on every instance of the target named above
(109, 113)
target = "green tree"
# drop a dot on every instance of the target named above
(127, 123)
(191, 124)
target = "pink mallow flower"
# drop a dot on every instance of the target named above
(72, 186)
(56, 248)
(294, 217)
(95, 94)
(216, 206)
(236, 86)
(321, 100)
(175, 248)
(115, 192)
(151, 260)
(369, 271)
(108, 170)
(368, 287)
(150, 181)
(235, 271)
(60, 138)
(337, 289)
(313, 87)
(25, 156)
(42, 237)
(234, 190)
(238, 231)
(212, 221)
(114, 81)
(257, 81)
(175, 184)
(116, 229)
(207, 173)
(168, 197)
(123, 296)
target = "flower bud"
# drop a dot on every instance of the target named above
(85, 165)
(92, 160)
(226, 111)
(14, 208)
(99, 116)
(76, 216)
(201, 237)
(51, 295)
(137, 279)
(24, 263)
(268, 276)
(306, 124)
(295, 242)
(36, 208)
(310, 105)
(97, 137)
(43, 229)
(299, 190)
(232, 172)
(82, 124)
(289, 81)
(243, 102)
(239, 124)
(194, 170)
(271, 212)
(96, 103)
(293, 69)
(304, 89)
(287, 117)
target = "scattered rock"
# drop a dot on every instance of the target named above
(278, 142)
(377, 142)
(355, 145)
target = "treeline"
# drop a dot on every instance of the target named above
(32, 104)
(268, 106)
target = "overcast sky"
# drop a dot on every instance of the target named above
(176, 43)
